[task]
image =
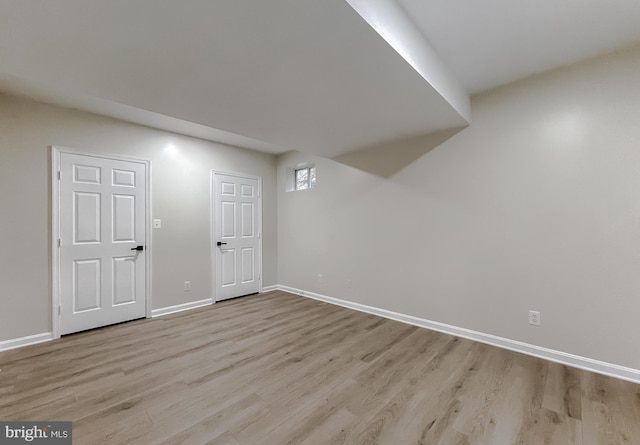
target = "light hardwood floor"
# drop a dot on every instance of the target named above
(278, 369)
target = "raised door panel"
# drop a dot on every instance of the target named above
(228, 263)
(124, 218)
(123, 178)
(248, 220)
(87, 217)
(228, 220)
(87, 278)
(247, 265)
(124, 280)
(247, 191)
(87, 174)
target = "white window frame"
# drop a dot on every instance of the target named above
(309, 184)
(291, 182)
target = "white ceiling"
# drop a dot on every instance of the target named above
(493, 42)
(326, 77)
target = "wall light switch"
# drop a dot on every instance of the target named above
(157, 224)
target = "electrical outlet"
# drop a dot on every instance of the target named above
(320, 278)
(157, 224)
(534, 318)
(187, 286)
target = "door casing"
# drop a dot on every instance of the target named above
(55, 230)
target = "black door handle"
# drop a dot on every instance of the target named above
(138, 248)
(220, 243)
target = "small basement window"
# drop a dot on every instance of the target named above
(300, 177)
(305, 178)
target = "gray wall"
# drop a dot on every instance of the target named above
(535, 206)
(180, 197)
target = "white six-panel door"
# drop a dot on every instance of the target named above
(236, 235)
(102, 220)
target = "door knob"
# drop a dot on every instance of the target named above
(220, 243)
(138, 248)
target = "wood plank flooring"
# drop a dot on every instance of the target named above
(281, 369)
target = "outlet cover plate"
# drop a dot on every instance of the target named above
(534, 318)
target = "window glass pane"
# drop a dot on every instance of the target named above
(312, 177)
(302, 179)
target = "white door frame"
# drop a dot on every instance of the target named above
(213, 228)
(56, 151)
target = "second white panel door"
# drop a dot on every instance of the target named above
(236, 235)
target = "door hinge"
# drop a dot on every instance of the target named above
(58, 175)
(259, 235)
(259, 194)
(59, 242)
(59, 309)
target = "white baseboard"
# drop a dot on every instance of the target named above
(180, 307)
(269, 288)
(25, 341)
(576, 361)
